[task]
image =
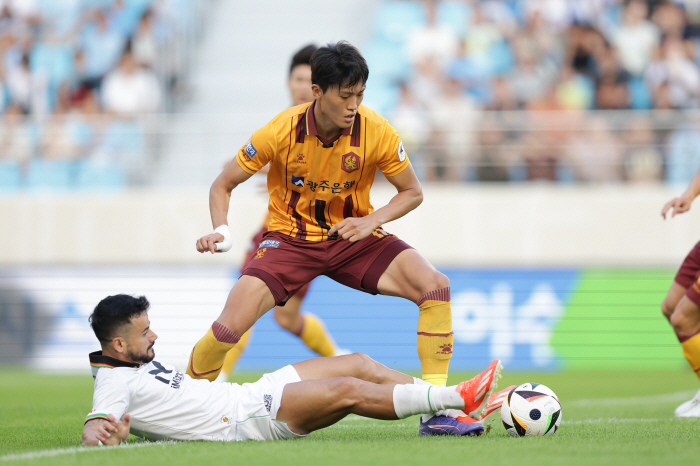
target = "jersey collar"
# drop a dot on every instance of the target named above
(98, 361)
(310, 127)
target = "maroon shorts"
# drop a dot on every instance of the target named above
(250, 253)
(286, 264)
(688, 275)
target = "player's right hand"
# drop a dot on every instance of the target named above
(678, 204)
(208, 242)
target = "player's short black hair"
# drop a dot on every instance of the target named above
(113, 312)
(338, 64)
(302, 57)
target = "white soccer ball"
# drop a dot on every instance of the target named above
(531, 409)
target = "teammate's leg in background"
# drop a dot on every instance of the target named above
(317, 403)
(234, 354)
(249, 299)
(684, 316)
(308, 327)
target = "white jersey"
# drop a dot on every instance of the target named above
(163, 402)
(167, 404)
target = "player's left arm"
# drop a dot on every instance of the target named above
(409, 196)
(110, 431)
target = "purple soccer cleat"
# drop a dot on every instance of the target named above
(445, 425)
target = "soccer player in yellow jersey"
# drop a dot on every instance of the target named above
(323, 158)
(308, 327)
(682, 304)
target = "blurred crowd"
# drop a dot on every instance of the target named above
(76, 78)
(514, 90)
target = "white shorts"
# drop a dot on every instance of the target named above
(257, 406)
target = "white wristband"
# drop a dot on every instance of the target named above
(226, 244)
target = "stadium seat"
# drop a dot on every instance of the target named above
(54, 175)
(455, 15)
(640, 97)
(393, 20)
(10, 176)
(100, 175)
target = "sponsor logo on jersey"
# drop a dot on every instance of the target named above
(259, 253)
(401, 152)
(225, 419)
(269, 243)
(177, 380)
(298, 181)
(268, 402)
(351, 162)
(250, 150)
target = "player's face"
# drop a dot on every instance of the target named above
(141, 340)
(300, 84)
(339, 104)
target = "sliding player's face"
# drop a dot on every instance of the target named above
(300, 84)
(140, 342)
(339, 104)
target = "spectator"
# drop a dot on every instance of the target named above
(593, 153)
(129, 90)
(636, 38)
(102, 45)
(679, 73)
(433, 41)
(15, 136)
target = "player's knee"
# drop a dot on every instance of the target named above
(285, 320)
(436, 281)
(367, 368)
(667, 308)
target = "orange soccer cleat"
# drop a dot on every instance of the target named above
(477, 391)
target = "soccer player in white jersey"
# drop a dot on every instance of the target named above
(135, 393)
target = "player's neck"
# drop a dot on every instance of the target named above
(109, 352)
(324, 126)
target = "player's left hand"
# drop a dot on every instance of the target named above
(678, 205)
(354, 228)
(122, 430)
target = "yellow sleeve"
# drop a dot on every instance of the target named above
(259, 150)
(392, 158)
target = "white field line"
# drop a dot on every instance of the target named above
(633, 400)
(68, 451)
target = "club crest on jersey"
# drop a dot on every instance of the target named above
(298, 181)
(269, 243)
(300, 159)
(351, 162)
(401, 152)
(250, 150)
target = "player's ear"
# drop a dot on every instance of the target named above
(118, 345)
(316, 90)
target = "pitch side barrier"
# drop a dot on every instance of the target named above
(531, 318)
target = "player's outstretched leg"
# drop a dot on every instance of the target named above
(249, 299)
(686, 323)
(317, 403)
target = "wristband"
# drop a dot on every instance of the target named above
(226, 244)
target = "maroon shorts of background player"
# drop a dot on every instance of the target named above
(286, 264)
(250, 253)
(688, 275)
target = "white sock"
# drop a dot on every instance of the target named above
(417, 381)
(414, 398)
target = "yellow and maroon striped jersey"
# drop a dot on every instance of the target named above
(315, 183)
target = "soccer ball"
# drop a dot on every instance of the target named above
(531, 409)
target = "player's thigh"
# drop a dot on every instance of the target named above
(673, 297)
(248, 300)
(686, 316)
(348, 365)
(410, 276)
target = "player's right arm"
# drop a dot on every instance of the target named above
(110, 401)
(251, 158)
(682, 203)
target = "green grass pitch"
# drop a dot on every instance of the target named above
(609, 418)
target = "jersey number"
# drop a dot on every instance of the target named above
(160, 370)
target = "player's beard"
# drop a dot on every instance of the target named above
(142, 358)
